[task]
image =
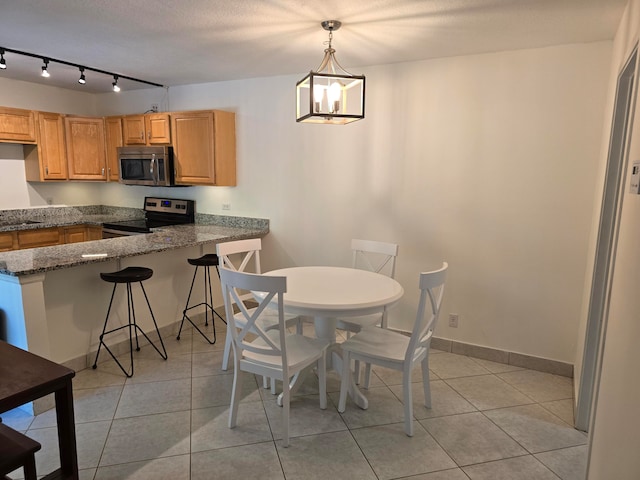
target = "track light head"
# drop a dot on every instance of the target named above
(3, 64)
(116, 88)
(82, 80)
(45, 72)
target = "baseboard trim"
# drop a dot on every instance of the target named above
(504, 356)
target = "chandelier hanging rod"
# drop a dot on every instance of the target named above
(76, 65)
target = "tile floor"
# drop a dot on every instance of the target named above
(487, 421)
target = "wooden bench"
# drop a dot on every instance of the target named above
(17, 450)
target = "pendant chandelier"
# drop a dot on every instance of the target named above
(330, 94)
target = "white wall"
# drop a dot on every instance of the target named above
(486, 161)
(615, 426)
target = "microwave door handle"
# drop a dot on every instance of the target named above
(151, 169)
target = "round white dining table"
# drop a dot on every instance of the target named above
(326, 293)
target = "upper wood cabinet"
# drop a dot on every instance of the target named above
(86, 148)
(47, 160)
(148, 129)
(114, 139)
(204, 147)
(17, 125)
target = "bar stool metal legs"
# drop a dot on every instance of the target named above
(206, 261)
(128, 276)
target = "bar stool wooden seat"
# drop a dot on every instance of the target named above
(17, 450)
(206, 261)
(128, 276)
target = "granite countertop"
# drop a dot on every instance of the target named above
(207, 229)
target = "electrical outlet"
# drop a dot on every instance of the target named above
(453, 320)
(49, 201)
(226, 206)
(154, 107)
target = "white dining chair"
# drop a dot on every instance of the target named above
(239, 256)
(378, 257)
(396, 351)
(275, 353)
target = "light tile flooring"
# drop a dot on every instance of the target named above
(487, 421)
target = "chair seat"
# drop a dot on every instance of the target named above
(128, 275)
(355, 324)
(208, 260)
(15, 449)
(301, 351)
(381, 344)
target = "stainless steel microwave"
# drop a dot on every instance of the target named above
(151, 166)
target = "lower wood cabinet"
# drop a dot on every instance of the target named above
(41, 237)
(8, 241)
(45, 237)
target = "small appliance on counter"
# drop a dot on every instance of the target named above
(151, 166)
(159, 212)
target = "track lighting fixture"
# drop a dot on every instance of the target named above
(82, 79)
(45, 72)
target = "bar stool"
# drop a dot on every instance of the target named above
(207, 261)
(128, 276)
(17, 450)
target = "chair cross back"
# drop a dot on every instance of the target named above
(375, 256)
(250, 249)
(432, 288)
(232, 281)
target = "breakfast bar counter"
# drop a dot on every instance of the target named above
(53, 302)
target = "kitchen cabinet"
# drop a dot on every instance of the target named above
(114, 139)
(17, 125)
(8, 241)
(47, 160)
(82, 233)
(148, 129)
(204, 147)
(85, 141)
(40, 237)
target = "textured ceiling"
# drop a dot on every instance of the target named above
(174, 42)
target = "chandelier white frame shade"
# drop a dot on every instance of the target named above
(330, 94)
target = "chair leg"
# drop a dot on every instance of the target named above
(286, 407)
(356, 372)
(367, 375)
(235, 395)
(344, 384)
(425, 381)
(29, 468)
(408, 401)
(322, 380)
(227, 350)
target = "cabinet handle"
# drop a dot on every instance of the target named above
(149, 134)
(46, 170)
(103, 171)
(141, 135)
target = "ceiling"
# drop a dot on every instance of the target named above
(176, 42)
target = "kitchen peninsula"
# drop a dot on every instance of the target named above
(53, 303)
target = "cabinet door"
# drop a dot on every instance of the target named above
(85, 148)
(75, 234)
(8, 241)
(94, 232)
(193, 147)
(17, 125)
(47, 160)
(158, 129)
(51, 147)
(113, 130)
(133, 128)
(41, 237)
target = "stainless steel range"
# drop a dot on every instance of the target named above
(159, 212)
